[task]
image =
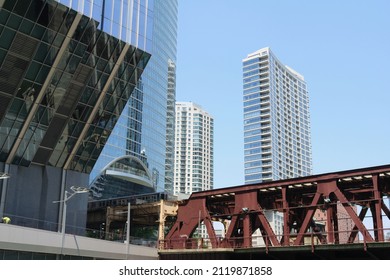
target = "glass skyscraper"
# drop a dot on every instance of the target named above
(127, 20)
(64, 82)
(141, 130)
(277, 139)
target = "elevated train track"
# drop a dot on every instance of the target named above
(242, 209)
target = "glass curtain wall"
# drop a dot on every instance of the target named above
(141, 129)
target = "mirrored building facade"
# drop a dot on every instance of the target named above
(64, 83)
(141, 128)
(127, 20)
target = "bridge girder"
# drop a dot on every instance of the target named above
(242, 209)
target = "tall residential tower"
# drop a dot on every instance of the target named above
(276, 120)
(194, 151)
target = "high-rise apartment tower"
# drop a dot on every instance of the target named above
(194, 153)
(277, 141)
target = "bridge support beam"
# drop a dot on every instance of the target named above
(296, 202)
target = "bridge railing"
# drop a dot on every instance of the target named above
(80, 231)
(312, 239)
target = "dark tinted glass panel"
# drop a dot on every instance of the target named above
(2, 56)
(71, 97)
(14, 21)
(48, 36)
(103, 79)
(58, 16)
(38, 31)
(76, 128)
(45, 15)
(101, 64)
(4, 101)
(143, 60)
(86, 113)
(42, 156)
(67, 23)
(89, 35)
(111, 103)
(34, 10)
(86, 149)
(78, 112)
(128, 91)
(58, 40)
(10, 255)
(52, 54)
(53, 132)
(100, 44)
(41, 52)
(25, 255)
(109, 66)
(44, 115)
(81, 28)
(118, 49)
(82, 73)
(16, 106)
(80, 49)
(72, 65)
(6, 38)
(42, 75)
(89, 166)
(3, 16)
(92, 60)
(33, 71)
(21, 7)
(26, 26)
(9, 5)
(87, 93)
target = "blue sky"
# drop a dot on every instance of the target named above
(342, 48)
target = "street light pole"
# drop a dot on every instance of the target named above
(63, 223)
(128, 231)
(76, 190)
(3, 176)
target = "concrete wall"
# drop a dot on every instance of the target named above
(31, 192)
(18, 238)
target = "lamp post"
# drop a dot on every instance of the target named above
(68, 195)
(127, 229)
(3, 176)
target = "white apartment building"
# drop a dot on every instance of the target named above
(194, 152)
(277, 134)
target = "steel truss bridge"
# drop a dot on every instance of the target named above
(355, 197)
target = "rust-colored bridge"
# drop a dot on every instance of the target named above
(317, 214)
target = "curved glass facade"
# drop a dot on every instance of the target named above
(141, 129)
(276, 120)
(124, 176)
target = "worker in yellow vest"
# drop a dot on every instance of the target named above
(6, 220)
